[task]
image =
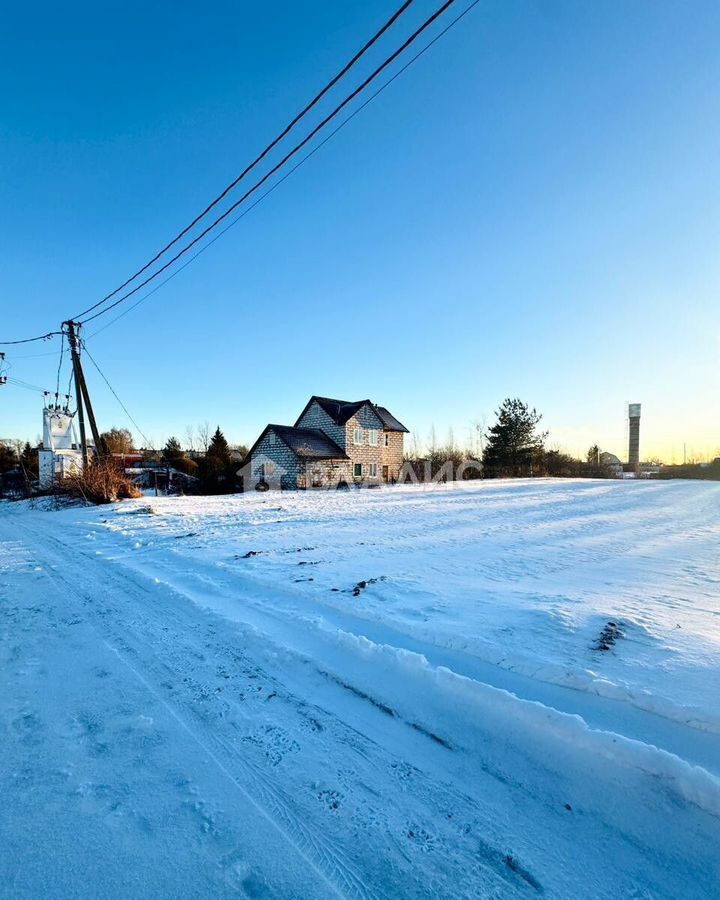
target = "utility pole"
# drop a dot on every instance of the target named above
(72, 340)
(82, 393)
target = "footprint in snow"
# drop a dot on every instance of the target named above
(331, 799)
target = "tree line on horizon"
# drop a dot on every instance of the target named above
(213, 469)
(513, 447)
(214, 466)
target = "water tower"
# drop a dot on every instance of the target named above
(634, 435)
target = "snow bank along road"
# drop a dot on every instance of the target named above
(394, 693)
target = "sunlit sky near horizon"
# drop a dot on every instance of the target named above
(532, 210)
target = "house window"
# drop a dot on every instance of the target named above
(357, 435)
(387, 439)
(373, 437)
(373, 470)
(357, 470)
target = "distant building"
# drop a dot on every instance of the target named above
(332, 442)
(611, 462)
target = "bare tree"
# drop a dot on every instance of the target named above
(203, 436)
(480, 429)
(415, 443)
(118, 440)
(190, 437)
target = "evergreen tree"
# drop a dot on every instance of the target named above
(29, 459)
(593, 455)
(172, 450)
(513, 443)
(174, 455)
(218, 470)
(8, 457)
(219, 448)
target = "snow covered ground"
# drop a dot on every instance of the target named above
(391, 693)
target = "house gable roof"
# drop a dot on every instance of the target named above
(341, 411)
(390, 423)
(305, 443)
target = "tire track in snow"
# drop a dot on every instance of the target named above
(332, 860)
(351, 884)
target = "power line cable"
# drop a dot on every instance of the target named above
(24, 384)
(291, 171)
(40, 337)
(333, 81)
(288, 128)
(35, 355)
(112, 390)
(294, 169)
(390, 59)
(57, 381)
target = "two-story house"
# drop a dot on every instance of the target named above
(332, 442)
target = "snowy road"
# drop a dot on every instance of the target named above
(190, 710)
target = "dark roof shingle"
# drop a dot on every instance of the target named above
(308, 443)
(389, 420)
(340, 411)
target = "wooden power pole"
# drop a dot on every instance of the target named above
(82, 394)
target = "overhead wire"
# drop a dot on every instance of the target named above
(57, 382)
(291, 171)
(35, 355)
(40, 337)
(148, 442)
(24, 384)
(81, 317)
(217, 221)
(285, 131)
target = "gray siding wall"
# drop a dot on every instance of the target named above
(393, 454)
(365, 454)
(272, 449)
(316, 417)
(368, 418)
(324, 473)
(297, 473)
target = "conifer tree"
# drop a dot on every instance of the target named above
(219, 448)
(172, 450)
(8, 457)
(174, 454)
(218, 469)
(513, 442)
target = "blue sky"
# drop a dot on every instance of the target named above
(532, 209)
